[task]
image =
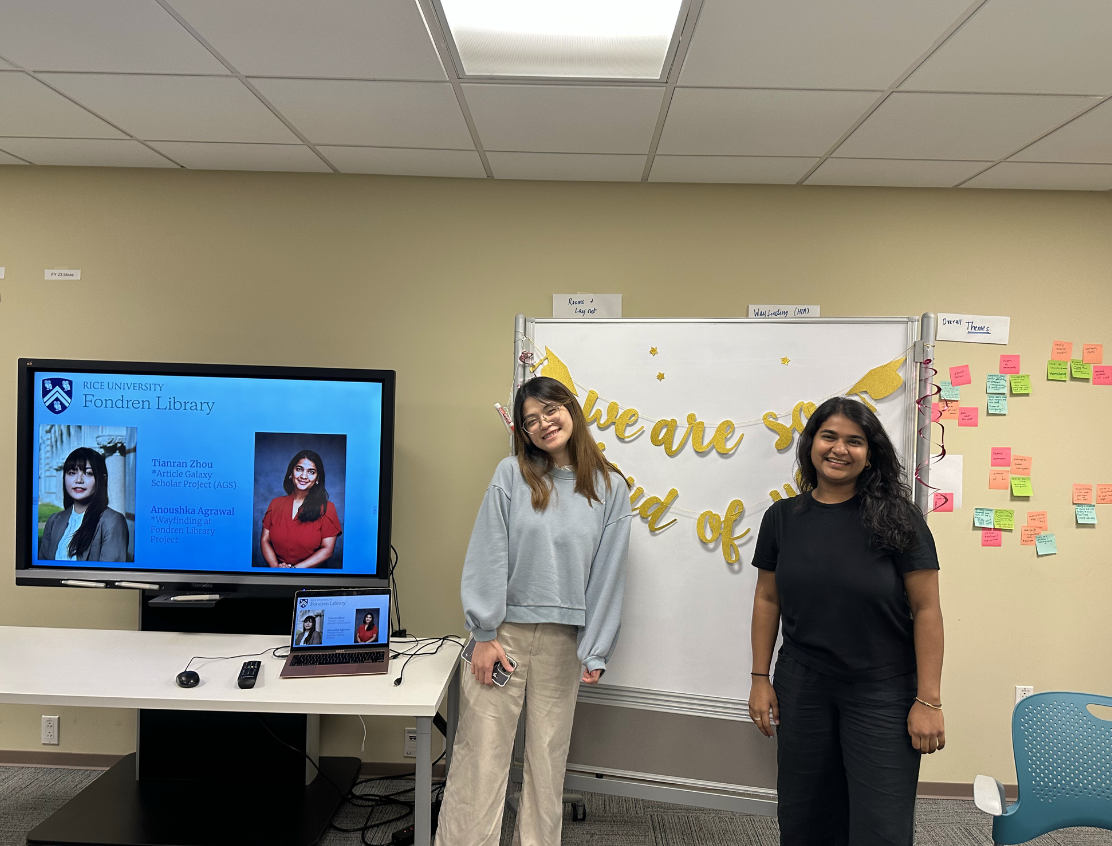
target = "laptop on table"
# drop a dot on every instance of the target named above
(339, 633)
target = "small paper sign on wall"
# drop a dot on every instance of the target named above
(779, 312)
(587, 305)
(973, 328)
(61, 274)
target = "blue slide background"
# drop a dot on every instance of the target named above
(218, 534)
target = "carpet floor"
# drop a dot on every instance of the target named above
(29, 795)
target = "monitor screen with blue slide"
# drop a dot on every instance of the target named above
(193, 475)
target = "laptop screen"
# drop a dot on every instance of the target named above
(344, 618)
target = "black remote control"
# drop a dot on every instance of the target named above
(248, 673)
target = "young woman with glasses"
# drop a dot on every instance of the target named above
(542, 583)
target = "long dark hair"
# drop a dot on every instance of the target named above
(586, 458)
(78, 460)
(310, 619)
(887, 509)
(316, 500)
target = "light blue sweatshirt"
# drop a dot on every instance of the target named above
(566, 564)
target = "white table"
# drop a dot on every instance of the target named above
(129, 669)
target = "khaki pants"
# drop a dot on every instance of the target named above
(475, 795)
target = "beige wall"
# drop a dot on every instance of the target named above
(425, 276)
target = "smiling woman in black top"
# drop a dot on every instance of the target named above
(849, 568)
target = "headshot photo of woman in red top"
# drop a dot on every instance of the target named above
(367, 630)
(301, 529)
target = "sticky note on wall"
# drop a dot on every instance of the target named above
(1021, 465)
(1102, 374)
(1058, 371)
(991, 537)
(1080, 370)
(948, 391)
(943, 501)
(984, 518)
(960, 375)
(967, 415)
(1061, 350)
(1009, 364)
(1003, 518)
(1082, 494)
(1000, 457)
(1092, 353)
(1021, 486)
(996, 383)
(997, 404)
(998, 479)
(1039, 520)
(1045, 544)
(1104, 494)
(1021, 384)
(1085, 514)
(1027, 535)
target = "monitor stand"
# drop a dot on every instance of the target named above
(210, 778)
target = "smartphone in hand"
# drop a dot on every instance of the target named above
(500, 675)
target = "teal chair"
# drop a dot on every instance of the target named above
(1063, 762)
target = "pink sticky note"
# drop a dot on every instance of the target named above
(967, 415)
(960, 375)
(991, 537)
(1102, 374)
(1092, 353)
(1009, 364)
(1082, 494)
(936, 412)
(1001, 457)
(1061, 350)
(943, 501)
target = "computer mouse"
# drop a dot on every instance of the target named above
(188, 678)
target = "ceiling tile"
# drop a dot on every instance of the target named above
(957, 126)
(1026, 46)
(84, 152)
(31, 108)
(565, 118)
(1087, 139)
(5, 159)
(323, 38)
(730, 122)
(198, 155)
(1045, 176)
(754, 169)
(176, 108)
(905, 173)
(397, 162)
(572, 167)
(804, 44)
(382, 114)
(135, 36)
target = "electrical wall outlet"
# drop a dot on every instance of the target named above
(50, 730)
(1022, 691)
(410, 748)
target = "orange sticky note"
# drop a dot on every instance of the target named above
(1009, 364)
(1061, 350)
(1092, 353)
(1001, 457)
(999, 479)
(960, 375)
(950, 410)
(991, 537)
(967, 415)
(943, 501)
(1027, 535)
(1021, 465)
(1082, 494)
(1104, 494)
(1038, 520)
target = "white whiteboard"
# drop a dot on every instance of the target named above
(686, 617)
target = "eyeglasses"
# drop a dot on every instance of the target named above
(532, 423)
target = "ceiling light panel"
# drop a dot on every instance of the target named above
(580, 39)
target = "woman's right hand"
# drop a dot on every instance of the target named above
(486, 654)
(762, 699)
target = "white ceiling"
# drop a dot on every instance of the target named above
(969, 93)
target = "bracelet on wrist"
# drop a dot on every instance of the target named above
(762, 675)
(922, 702)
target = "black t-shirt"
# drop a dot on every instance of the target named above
(842, 601)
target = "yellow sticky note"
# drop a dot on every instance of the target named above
(1021, 486)
(1003, 518)
(1020, 383)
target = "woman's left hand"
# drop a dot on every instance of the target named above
(927, 729)
(591, 676)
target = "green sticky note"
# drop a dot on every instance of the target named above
(1080, 370)
(984, 518)
(1021, 486)
(1085, 513)
(1058, 371)
(949, 391)
(1021, 384)
(1045, 544)
(997, 404)
(996, 383)
(1004, 518)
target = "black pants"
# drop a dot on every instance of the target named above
(847, 772)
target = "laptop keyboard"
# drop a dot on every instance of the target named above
(318, 658)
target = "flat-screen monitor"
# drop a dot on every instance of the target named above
(194, 477)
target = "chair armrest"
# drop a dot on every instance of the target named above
(988, 794)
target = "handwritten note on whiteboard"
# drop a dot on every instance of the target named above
(782, 311)
(587, 305)
(973, 328)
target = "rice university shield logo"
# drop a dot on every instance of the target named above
(57, 394)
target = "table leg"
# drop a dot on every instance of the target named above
(422, 791)
(453, 718)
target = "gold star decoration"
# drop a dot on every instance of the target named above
(652, 350)
(660, 377)
(785, 360)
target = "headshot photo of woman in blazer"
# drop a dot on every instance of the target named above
(86, 529)
(300, 528)
(310, 634)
